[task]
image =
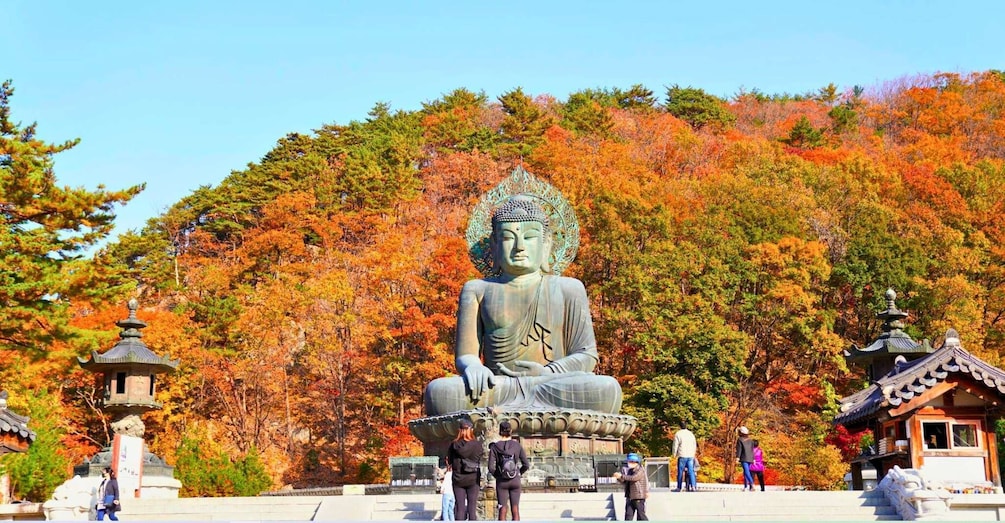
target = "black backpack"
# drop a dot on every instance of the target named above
(506, 467)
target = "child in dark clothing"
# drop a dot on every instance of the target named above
(633, 475)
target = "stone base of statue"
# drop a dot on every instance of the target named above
(560, 443)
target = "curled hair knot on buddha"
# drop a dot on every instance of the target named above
(521, 209)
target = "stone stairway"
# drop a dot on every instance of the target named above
(567, 506)
(395, 507)
(534, 506)
(426, 507)
(291, 508)
(767, 506)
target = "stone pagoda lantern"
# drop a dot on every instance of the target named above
(129, 370)
(128, 373)
(880, 357)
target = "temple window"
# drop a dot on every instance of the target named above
(965, 435)
(120, 382)
(947, 435)
(935, 435)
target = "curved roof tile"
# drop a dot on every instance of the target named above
(130, 350)
(14, 423)
(910, 379)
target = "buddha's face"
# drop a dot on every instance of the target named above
(521, 247)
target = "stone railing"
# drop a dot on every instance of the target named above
(21, 512)
(912, 496)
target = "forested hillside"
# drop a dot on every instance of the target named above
(732, 249)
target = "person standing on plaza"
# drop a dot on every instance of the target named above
(447, 495)
(745, 455)
(757, 467)
(108, 495)
(633, 476)
(465, 457)
(685, 448)
(507, 462)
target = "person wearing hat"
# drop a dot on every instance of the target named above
(507, 481)
(633, 476)
(465, 458)
(745, 455)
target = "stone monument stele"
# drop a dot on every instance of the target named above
(525, 349)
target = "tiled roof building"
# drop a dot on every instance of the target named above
(930, 409)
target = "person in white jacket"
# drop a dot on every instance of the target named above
(447, 500)
(685, 448)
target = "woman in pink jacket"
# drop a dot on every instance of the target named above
(757, 466)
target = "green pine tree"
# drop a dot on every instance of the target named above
(525, 122)
(698, 108)
(44, 231)
(205, 469)
(804, 135)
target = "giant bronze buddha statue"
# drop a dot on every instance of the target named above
(524, 336)
(525, 349)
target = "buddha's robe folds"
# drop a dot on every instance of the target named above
(552, 328)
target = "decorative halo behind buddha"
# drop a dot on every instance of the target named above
(562, 222)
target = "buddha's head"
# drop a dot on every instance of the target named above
(521, 237)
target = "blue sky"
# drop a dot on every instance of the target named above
(178, 94)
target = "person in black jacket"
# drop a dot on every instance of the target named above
(108, 495)
(745, 456)
(507, 488)
(465, 457)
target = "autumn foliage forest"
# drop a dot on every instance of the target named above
(732, 249)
